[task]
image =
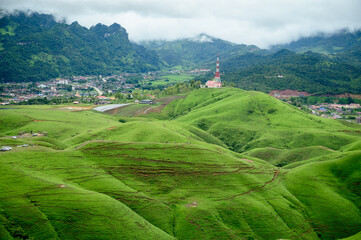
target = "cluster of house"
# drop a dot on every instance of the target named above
(202, 70)
(79, 86)
(337, 111)
(287, 94)
(18, 92)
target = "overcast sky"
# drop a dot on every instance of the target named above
(259, 22)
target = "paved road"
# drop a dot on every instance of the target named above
(109, 107)
(96, 89)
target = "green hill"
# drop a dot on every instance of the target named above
(247, 120)
(93, 176)
(35, 47)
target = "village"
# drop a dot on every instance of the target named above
(144, 88)
(350, 112)
(344, 109)
(97, 90)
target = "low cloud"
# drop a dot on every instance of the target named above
(259, 22)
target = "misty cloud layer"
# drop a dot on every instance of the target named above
(259, 22)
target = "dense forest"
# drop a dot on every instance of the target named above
(198, 51)
(35, 47)
(341, 41)
(312, 72)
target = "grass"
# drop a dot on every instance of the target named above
(7, 30)
(248, 120)
(335, 182)
(282, 157)
(100, 183)
(172, 79)
(222, 164)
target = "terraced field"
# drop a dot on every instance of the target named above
(215, 164)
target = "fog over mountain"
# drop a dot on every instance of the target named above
(258, 22)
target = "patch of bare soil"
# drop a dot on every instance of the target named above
(193, 204)
(247, 160)
(76, 108)
(165, 101)
(326, 148)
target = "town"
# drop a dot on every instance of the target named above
(94, 89)
(337, 107)
(138, 87)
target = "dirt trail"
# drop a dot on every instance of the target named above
(257, 188)
(327, 148)
(83, 144)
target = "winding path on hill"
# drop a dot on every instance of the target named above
(256, 188)
(83, 144)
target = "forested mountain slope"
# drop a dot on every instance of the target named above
(341, 41)
(312, 72)
(198, 51)
(35, 47)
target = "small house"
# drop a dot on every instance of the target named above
(146, 101)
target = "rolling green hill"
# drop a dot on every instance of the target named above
(221, 164)
(35, 47)
(247, 120)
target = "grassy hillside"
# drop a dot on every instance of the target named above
(324, 181)
(93, 177)
(247, 120)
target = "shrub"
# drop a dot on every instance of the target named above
(272, 110)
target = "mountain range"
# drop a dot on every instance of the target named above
(35, 47)
(341, 41)
(200, 50)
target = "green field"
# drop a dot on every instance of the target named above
(216, 164)
(172, 79)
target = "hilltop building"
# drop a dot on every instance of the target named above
(216, 83)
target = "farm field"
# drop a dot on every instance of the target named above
(172, 79)
(212, 164)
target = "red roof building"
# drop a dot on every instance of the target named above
(213, 84)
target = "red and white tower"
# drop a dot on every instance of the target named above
(217, 78)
